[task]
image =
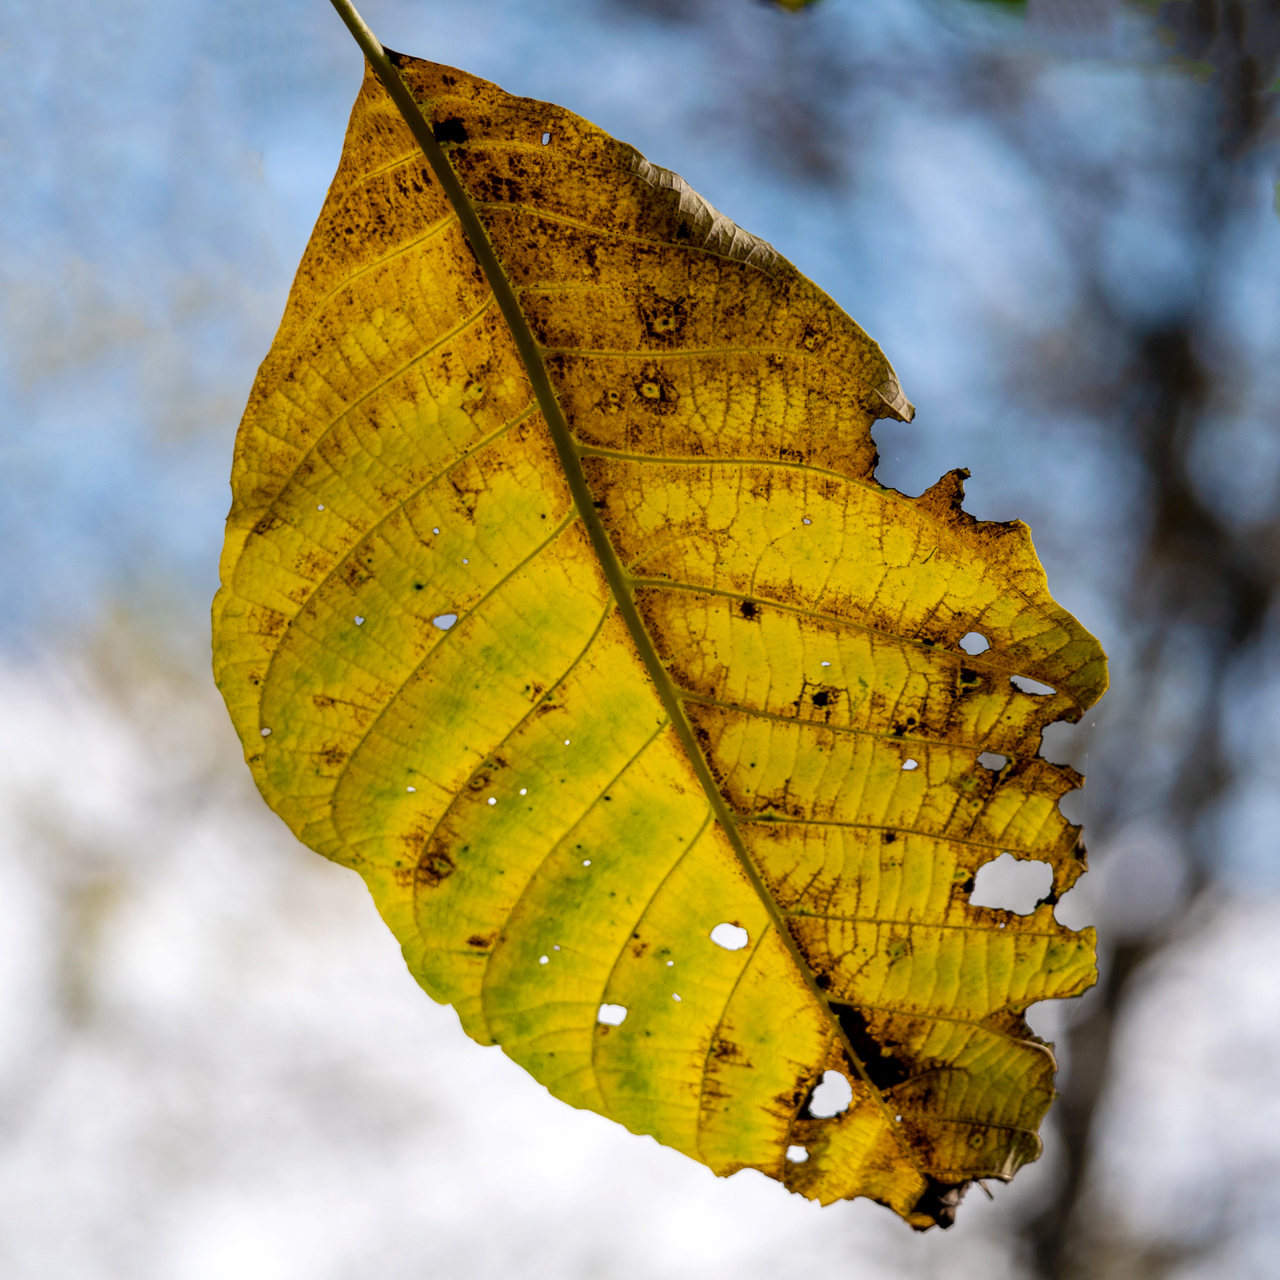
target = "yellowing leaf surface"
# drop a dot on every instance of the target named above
(560, 601)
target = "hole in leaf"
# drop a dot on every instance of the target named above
(670, 963)
(993, 760)
(320, 506)
(266, 733)
(524, 791)
(435, 530)
(974, 643)
(359, 621)
(1011, 884)
(1072, 806)
(612, 1015)
(444, 620)
(1058, 742)
(544, 959)
(493, 799)
(729, 936)
(797, 1155)
(586, 862)
(807, 520)
(466, 562)
(546, 138)
(911, 764)
(566, 742)
(1026, 685)
(675, 997)
(832, 1096)
(1076, 908)
(411, 789)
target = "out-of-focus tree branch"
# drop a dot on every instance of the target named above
(1201, 593)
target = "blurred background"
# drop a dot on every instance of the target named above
(1059, 221)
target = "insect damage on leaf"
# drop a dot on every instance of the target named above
(558, 569)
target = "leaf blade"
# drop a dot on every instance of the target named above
(582, 659)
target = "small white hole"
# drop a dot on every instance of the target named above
(566, 742)
(973, 643)
(832, 1096)
(1026, 685)
(675, 997)
(524, 791)
(586, 862)
(910, 764)
(797, 1155)
(359, 621)
(411, 789)
(320, 507)
(612, 1015)
(466, 562)
(266, 733)
(1001, 925)
(670, 963)
(435, 530)
(898, 1119)
(807, 520)
(546, 137)
(993, 760)
(543, 959)
(556, 947)
(826, 664)
(493, 800)
(444, 621)
(729, 936)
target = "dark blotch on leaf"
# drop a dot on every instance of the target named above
(940, 1202)
(450, 130)
(435, 867)
(747, 609)
(884, 1069)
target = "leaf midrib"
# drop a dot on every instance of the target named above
(620, 583)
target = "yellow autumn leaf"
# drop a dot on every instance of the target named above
(559, 600)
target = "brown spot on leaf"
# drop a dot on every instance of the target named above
(663, 319)
(655, 392)
(435, 866)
